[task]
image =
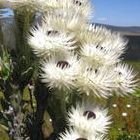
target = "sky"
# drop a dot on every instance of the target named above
(114, 12)
(6, 12)
(117, 12)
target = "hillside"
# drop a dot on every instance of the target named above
(125, 30)
(133, 36)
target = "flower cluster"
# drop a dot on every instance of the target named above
(86, 58)
(80, 56)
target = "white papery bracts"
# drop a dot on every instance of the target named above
(125, 80)
(95, 82)
(88, 121)
(67, 19)
(102, 81)
(82, 7)
(46, 40)
(78, 56)
(74, 135)
(98, 56)
(100, 36)
(60, 72)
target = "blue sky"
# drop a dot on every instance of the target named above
(6, 12)
(117, 12)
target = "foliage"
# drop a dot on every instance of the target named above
(127, 136)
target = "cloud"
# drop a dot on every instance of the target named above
(102, 19)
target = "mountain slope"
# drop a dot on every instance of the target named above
(127, 30)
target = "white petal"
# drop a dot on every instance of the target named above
(79, 119)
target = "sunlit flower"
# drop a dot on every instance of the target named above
(89, 119)
(128, 106)
(98, 56)
(83, 7)
(125, 79)
(95, 82)
(46, 40)
(114, 105)
(119, 129)
(124, 114)
(60, 72)
(104, 38)
(72, 134)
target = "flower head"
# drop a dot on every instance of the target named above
(82, 7)
(104, 38)
(72, 134)
(47, 40)
(95, 82)
(98, 56)
(89, 120)
(125, 79)
(60, 72)
(66, 18)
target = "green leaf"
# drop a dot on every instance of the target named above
(3, 127)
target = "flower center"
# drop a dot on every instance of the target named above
(77, 2)
(91, 69)
(99, 47)
(63, 64)
(89, 114)
(51, 32)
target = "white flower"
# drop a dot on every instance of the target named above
(83, 7)
(95, 82)
(128, 106)
(89, 120)
(114, 105)
(124, 114)
(72, 134)
(46, 40)
(48, 3)
(125, 79)
(60, 72)
(107, 40)
(98, 56)
(66, 18)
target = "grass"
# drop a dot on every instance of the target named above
(129, 124)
